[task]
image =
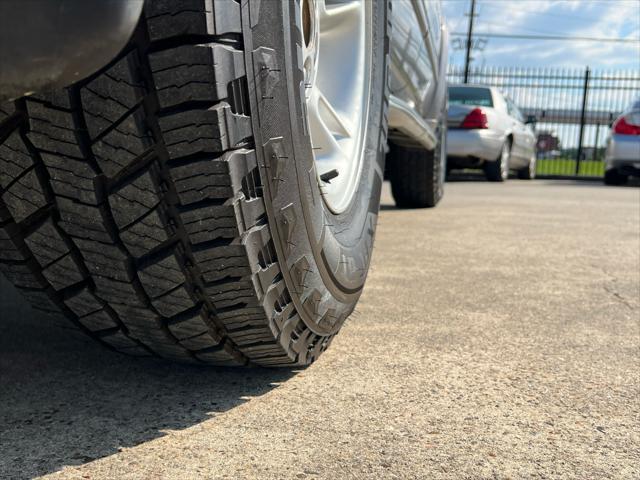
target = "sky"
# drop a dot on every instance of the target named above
(584, 18)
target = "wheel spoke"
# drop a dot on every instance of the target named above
(325, 143)
(332, 13)
(334, 121)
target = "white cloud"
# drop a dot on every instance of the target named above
(612, 19)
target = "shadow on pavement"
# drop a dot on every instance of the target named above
(65, 400)
(466, 176)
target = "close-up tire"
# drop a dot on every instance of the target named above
(417, 176)
(528, 172)
(498, 170)
(209, 196)
(614, 177)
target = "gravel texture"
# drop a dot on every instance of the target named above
(498, 337)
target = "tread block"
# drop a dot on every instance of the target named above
(133, 200)
(83, 303)
(242, 316)
(82, 221)
(199, 342)
(52, 130)
(189, 325)
(204, 131)
(54, 98)
(104, 260)
(253, 335)
(232, 293)
(63, 273)
(122, 145)
(14, 159)
(242, 298)
(46, 244)
(210, 223)
(71, 178)
(195, 73)
(173, 303)
(24, 197)
(109, 96)
(114, 291)
(97, 321)
(167, 18)
(161, 277)
(261, 350)
(225, 261)
(140, 321)
(145, 234)
(205, 180)
(219, 357)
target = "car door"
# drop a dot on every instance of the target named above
(412, 68)
(519, 133)
(529, 138)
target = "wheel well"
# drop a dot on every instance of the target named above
(510, 139)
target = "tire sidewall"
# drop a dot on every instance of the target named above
(505, 160)
(324, 257)
(440, 157)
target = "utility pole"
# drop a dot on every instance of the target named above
(467, 58)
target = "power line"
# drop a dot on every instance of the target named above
(549, 37)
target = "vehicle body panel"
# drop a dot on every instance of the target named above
(477, 143)
(623, 151)
(417, 74)
(466, 147)
(53, 43)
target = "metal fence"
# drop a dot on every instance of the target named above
(574, 110)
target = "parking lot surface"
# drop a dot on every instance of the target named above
(498, 337)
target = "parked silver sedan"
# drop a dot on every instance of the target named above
(622, 157)
(487, 131)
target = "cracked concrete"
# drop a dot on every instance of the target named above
(498, 337)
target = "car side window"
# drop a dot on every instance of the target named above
(518, 113)
(514, 111)
(509, 106)
(499, 102)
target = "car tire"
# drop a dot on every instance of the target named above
(614, 177)
(528, 172)
(417, 176)
(169, 204)
(498, 170)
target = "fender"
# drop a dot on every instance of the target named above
(418, 75)
(53, 43)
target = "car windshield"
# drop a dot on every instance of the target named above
(470, 96)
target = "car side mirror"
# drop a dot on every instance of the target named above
(531, 119)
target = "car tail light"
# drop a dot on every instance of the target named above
(625, 126)
(476, 118)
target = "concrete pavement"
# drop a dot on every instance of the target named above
(498, 337)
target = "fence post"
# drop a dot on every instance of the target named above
(595, 144)
(582, 119)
